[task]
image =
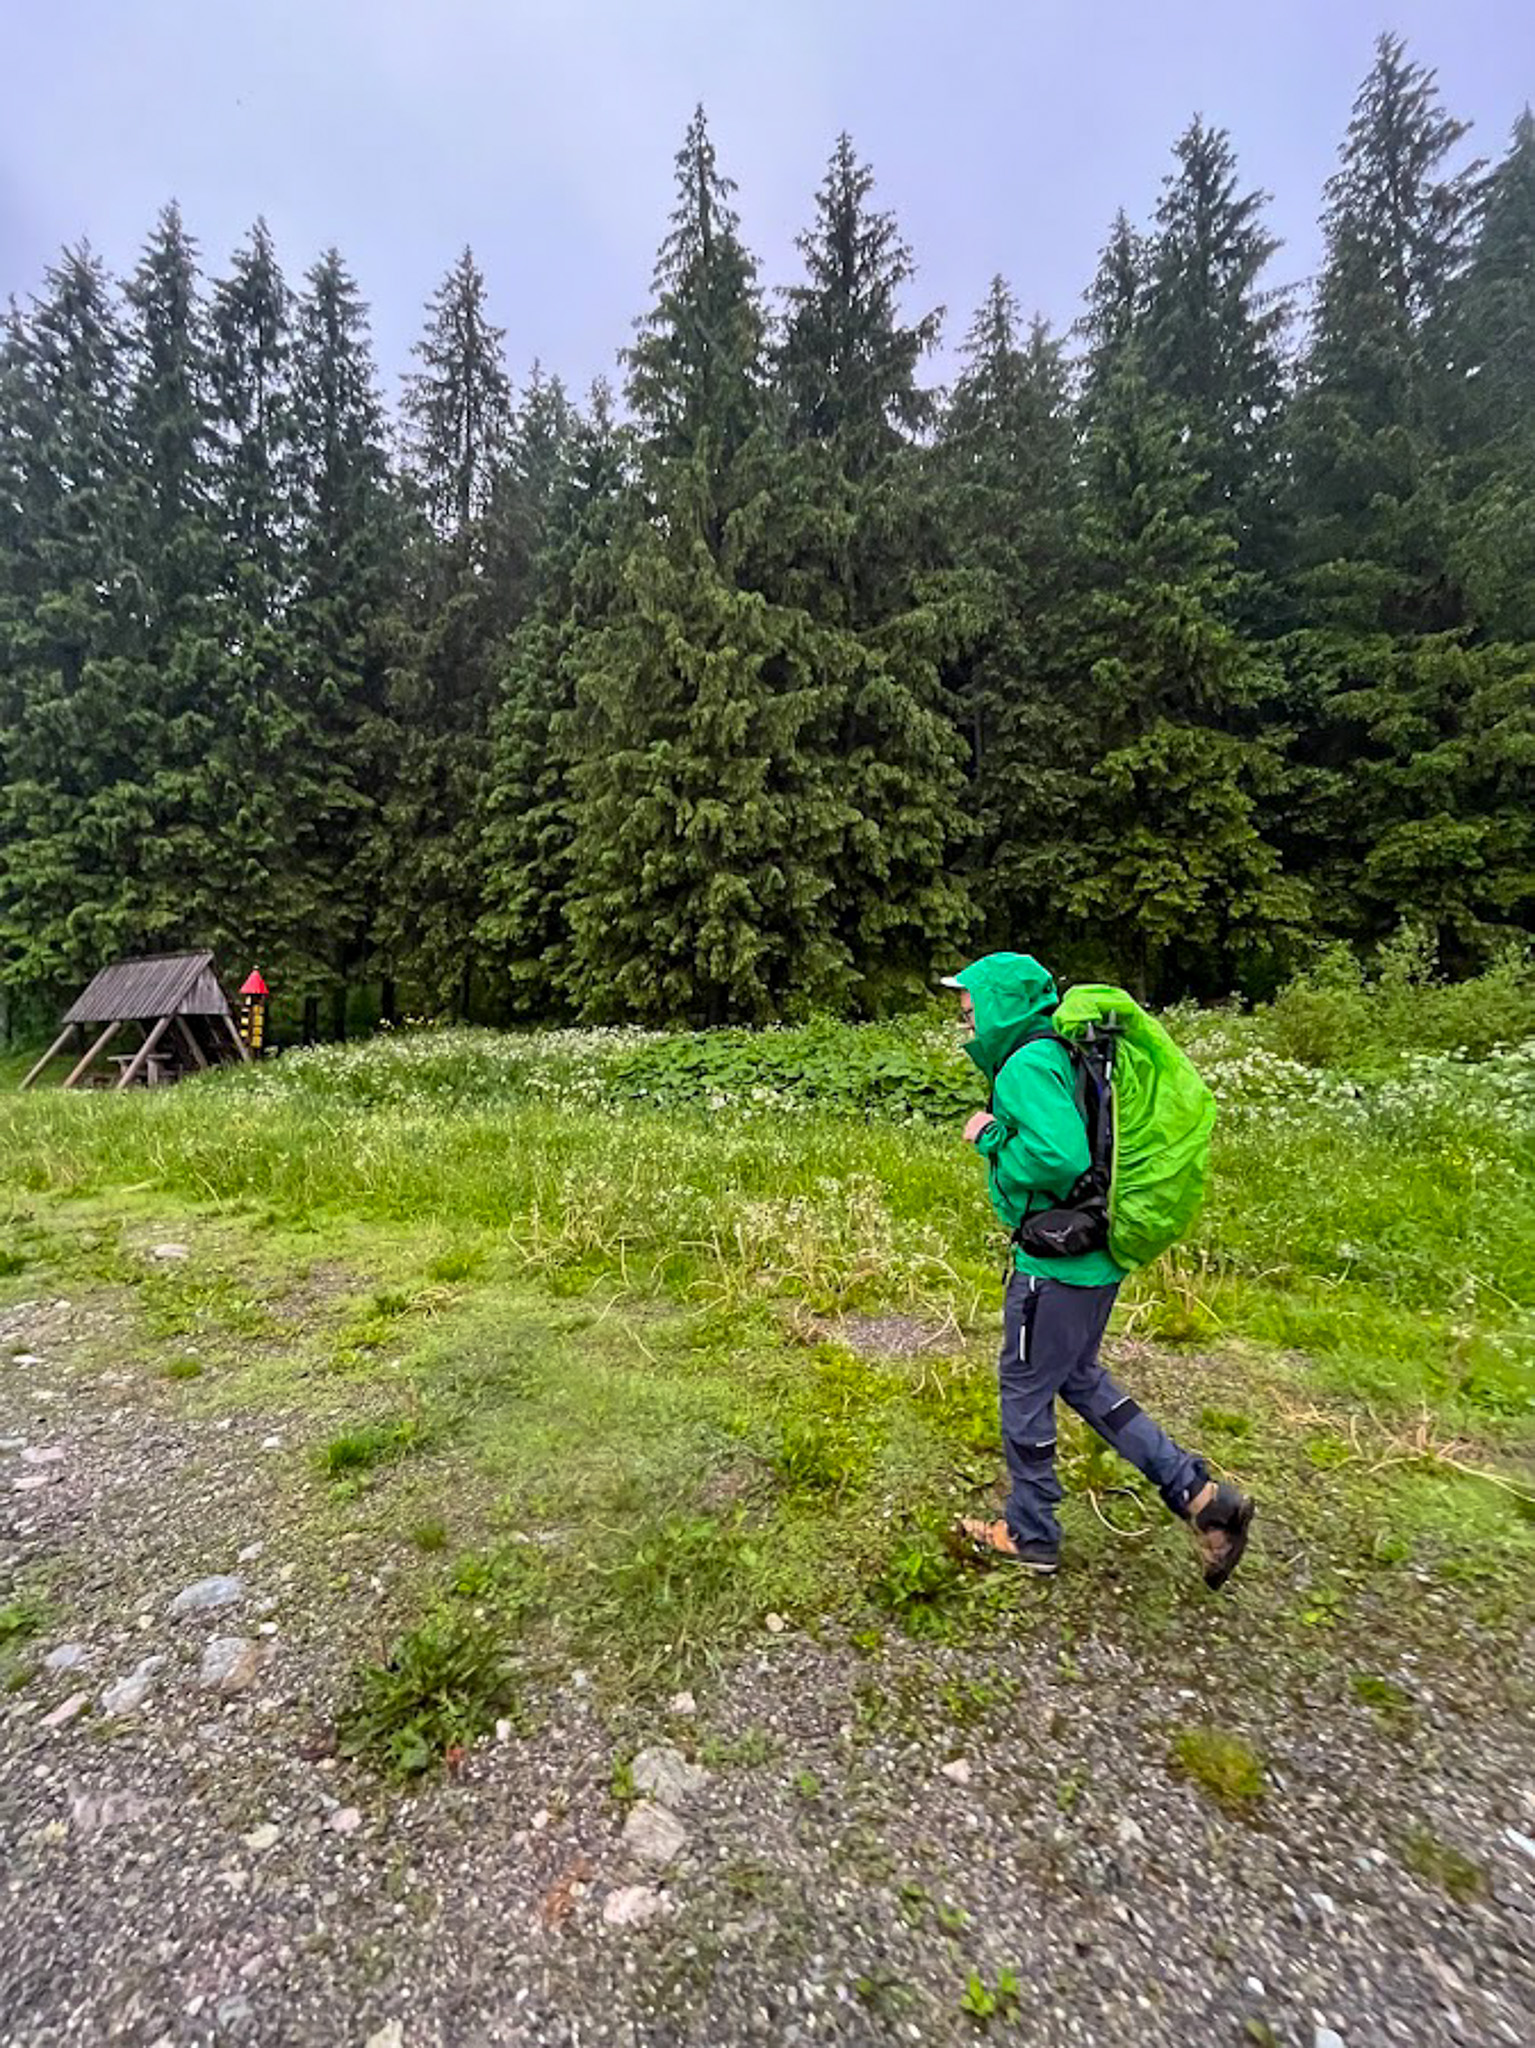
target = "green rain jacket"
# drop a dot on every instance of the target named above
(1037, 1148)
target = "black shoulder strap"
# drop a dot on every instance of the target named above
(1097, 1110)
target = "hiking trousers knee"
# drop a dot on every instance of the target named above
(1050, 1338)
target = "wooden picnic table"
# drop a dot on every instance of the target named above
(158, 1067)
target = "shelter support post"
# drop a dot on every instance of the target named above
(91, 1051)
(190, 1036)
(135, 1066)
(57, 1047)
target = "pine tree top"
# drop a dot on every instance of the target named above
(848, 361)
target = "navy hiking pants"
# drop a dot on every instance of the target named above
(1050, 1338)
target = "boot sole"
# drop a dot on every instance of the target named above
(1235, 1533)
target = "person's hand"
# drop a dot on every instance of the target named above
(977, 1124)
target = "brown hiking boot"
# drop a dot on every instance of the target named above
(995, 1539)
(1219, 1517)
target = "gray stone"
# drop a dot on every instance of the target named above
(67, 1710)
(666, 1775)
(1523, 1843)
(1326, 2038)
(390, 2035)
(130, 1693)
(346, 1820)
(632, 1905)
(682, 1703)
(1130, 1834)
(43, 1454)
(110, 1810)
(203, 1595)
(653, 1834)
(231, 1664)
(25, 1358)
(67, 1657)
(167, 1254)
(267, 1836)
(956, 1770)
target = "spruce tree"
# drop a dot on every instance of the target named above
(260, 756)
(1116, 301)
(1150, 848)
(77, 723)
(465, 588)
(1213, 333)
(706, 832)
(344, 568)
(1367, 430)
(572, 473)
(848, 365)
(1005, 462)
(186, 765)
(457, 406)
(1493, 408)
(855, 539)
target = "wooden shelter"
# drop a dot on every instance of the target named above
(169, 993)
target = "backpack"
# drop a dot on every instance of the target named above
(1149, 1117)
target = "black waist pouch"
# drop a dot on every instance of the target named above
(1063, 1233)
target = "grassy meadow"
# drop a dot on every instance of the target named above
(618, 1344)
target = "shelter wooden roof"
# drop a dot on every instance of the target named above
(162, 985)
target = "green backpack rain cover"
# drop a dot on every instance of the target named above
(1163, 1117)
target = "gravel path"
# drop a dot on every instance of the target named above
(867, 1832)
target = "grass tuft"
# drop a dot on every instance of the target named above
(1223, 1766)
(441, 1688)
(1438, 1863)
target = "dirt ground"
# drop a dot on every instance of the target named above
(927, 1842)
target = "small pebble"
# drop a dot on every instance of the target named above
(957, 1770)
(67, 1657)
(774, 1624)
(267, 1836)
(682, 1703)
(67, 1710)
(346, 1820)
(632, 1905)
(203, 1595)
(130, 1693)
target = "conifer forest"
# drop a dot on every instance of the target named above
(776, 676)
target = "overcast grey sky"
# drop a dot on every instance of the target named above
(543, 131)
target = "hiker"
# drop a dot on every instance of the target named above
(1034, 1140)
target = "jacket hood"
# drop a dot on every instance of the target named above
(1013, 996)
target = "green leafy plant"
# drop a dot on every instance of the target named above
(984, 2003)
(440, 1688)
(920, 1577)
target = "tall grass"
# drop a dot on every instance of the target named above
(1383, 1225)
